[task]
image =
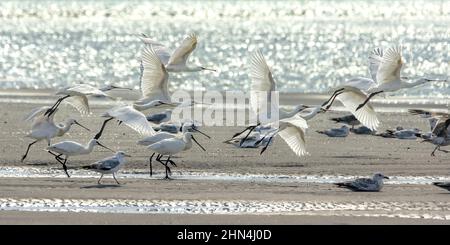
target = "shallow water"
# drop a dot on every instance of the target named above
(311, 45)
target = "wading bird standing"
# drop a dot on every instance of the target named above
(44, 128)
(364, 184)
(71, 148)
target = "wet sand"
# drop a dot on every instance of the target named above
(353, 155)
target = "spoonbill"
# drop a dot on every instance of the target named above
(177, 61)
(170, 147)
(385, 68)
(71, 148)
(185, 127)
(374, 184)
(44, 127)
(76, 95)
(109, 165)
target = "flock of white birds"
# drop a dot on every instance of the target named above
(156, 64)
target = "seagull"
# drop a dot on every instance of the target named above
(348, 119)
(76, 95)
(336, 132)
(440, 137)
(362, 130)
(158, 118)
(385, 68)
(262, 89)
(157, 137)
(71, 148)
(44, 127)
(365, 184)
(109, 165)
(177, 61)
(443, 185)
(170, 147)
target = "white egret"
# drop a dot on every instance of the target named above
(365, 184)
(109, 165)
(177, 61)
(44, 128)
(71, 148)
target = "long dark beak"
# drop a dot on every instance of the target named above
(77, 123)
(385, 177)
(197, 143)
(209, 69)
(127, 155)
(98, 143)
(201, 132)
(116, 87)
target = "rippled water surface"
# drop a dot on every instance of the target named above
(311, 45)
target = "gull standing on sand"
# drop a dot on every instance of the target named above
(71, 148)
(336, 132)
(385, 68)
(348, 119)
(177, 61)
(44, 127)
(76, 95)
(263, 85)
(364, 184)
(109, 165)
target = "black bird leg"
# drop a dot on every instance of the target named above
(333, 95)
(50, 111)
(28, 149)
(367, 100)
(150, 160)
(332, 101)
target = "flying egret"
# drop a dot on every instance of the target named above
(159, 136)
(170, 147)
(44, 127)
(374, 184)
(385, 68)
(76, 95)
(109, 165)
(262, 89)
(177, 61)
(71, 148)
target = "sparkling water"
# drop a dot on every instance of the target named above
(311, 46)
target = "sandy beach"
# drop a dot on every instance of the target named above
(255, 189)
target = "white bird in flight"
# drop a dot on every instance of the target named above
(177, 61)
(109, 165)
(71, 148)
(76, 95)
(44, 128)
(385, 68)
(291, 127)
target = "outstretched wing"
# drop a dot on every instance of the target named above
(390, 65)
(351, 98)
(375, 59)
(38, 111)
(262, 86)
(134, 119)
(294, 134)
(181, 54)
(154, 77)
(80, 103)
